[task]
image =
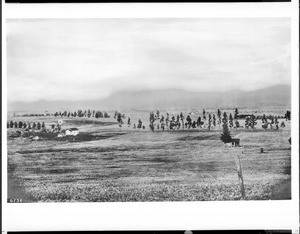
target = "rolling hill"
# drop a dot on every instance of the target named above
(277, 96)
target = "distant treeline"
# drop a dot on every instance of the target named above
(244, 116)
(29, 115)
(82, 113)
(78, 113)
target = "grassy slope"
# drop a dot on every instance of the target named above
(144, 166)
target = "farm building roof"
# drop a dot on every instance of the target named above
(73, 129)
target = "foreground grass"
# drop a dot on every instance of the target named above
(165, 191)
(143, 166)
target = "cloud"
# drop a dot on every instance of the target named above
(75, 59)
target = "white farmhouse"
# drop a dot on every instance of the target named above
(72, 132)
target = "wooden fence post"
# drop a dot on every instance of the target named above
(240, 175)
(261, 150)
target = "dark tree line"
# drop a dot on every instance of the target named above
(29, 115)
(177, 122)
(82, 113)
(26, 125)
(208, 121)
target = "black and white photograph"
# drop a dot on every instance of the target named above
(123, 117)
(134, 110)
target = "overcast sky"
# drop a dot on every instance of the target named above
(75, 59)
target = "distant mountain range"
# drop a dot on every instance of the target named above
(277, 96)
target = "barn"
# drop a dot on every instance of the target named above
(72, 132)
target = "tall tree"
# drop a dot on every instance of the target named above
(230, 120)
(264, 119)
(214, 120)
(209, 121)
(271, 117)
(189, 121)
(128, 121)
(199, 122)
(162, 123)
(140, 123)
(172, 123)
(236, 112)
(276, 122)
(287, 115)
(182, 119)
(157, 114)
(151, 120)
(247, 122)
(120, 120)
(177, 119)
(167, 120)
(204, 114)
(38, 126)
(225, 136)
(225, 118)
(219, 113)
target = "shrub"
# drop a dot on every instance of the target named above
(225, 136)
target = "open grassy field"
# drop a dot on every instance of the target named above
(106, 164)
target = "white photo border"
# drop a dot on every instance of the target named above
(211, 215)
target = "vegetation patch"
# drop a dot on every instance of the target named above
(200, 137)
(78, 122)
(46, 136)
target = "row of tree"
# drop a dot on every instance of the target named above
(208, 121)
(31, 115)
(80, 113)
(177, 122)
(251, 122)
(26, 125)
